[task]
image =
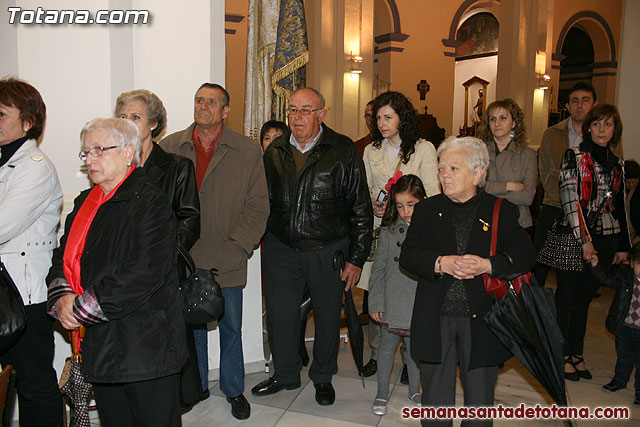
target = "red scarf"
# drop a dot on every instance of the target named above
(77, 238)
(589, 182)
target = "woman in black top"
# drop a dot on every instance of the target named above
(175, 175)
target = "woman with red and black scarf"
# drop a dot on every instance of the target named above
(592, 196)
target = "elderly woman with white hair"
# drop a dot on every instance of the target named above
(115, 274)
(447, 247)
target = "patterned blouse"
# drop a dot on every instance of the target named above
(585, 187)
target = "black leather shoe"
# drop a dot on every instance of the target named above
(325, 394)
(271, 386)
(239, 407)
(637, 401)
(370, 368)
(205, 395)
(614, 386)
(404, 377)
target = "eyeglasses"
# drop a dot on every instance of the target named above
(95, 152)
(303, 111)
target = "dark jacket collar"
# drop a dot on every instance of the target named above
(157, 158)
(328, 138)
(131, 187)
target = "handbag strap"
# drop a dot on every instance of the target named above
(184, 253)
(494, 226)
(398, 165)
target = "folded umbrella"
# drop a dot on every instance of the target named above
(73, 384)
(526, 324)
(354, 327)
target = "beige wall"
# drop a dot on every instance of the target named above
(426, 23)
(236, 62)
(628, 87)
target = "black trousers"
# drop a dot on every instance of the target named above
(190, 384)
(39, 397)
(548, 215)
(285, 273)
(574, 294)
(151, 403)
(439, 379)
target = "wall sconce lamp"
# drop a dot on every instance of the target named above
(543, 81)
(356, 64)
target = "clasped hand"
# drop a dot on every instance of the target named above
(464, 267)
(64, 310)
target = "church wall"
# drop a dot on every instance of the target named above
(426, 23)
(485, 68)
(628, 90)
(236, 62)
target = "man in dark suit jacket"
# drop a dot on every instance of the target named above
(319, 206)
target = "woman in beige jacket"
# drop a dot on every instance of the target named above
(396, 150)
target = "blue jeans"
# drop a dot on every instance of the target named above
(231, 357)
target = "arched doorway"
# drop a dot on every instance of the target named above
(576, 65)
(587, 52)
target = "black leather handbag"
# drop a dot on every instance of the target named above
(13, 318)
(202, 300)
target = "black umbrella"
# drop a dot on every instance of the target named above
(526, 324)
(73, 384)
(354, 327)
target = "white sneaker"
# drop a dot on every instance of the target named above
(379, 407)
(416, 399)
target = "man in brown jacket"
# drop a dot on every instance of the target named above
(234, 207)
(555, 141)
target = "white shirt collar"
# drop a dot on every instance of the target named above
(293, 141)
(574, 138)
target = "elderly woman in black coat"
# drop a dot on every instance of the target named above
(115, 274)
(447, 247)
(175, 176)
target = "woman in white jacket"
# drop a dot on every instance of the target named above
(30, 199)
(396, 150)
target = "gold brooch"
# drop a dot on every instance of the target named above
(485, 224)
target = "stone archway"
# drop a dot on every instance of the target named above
(599, 32)
(460, 15)
(604, 64)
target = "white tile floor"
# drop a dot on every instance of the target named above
(353, 403)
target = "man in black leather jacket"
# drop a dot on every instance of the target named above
(319, 205)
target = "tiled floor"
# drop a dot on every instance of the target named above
(353, 403)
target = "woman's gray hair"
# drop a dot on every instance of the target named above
(478, 156)
(122, 132)
(155, 108)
